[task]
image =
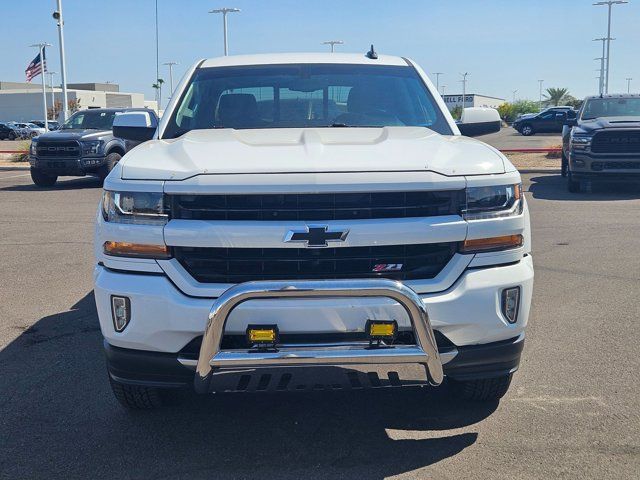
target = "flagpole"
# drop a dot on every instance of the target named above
(43, 69)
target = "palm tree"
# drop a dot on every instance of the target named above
(555, 96)
(158, 87)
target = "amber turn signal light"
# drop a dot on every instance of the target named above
(262, 335)
(137, 250)
(381, 329)
(478, 245)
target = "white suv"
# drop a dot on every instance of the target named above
(309, 210)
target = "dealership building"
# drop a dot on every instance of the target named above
(472, 100)
(22, 102)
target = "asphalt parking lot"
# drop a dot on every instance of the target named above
(572, 411)
(508, 138)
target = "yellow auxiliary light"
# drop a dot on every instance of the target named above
(381, 329)
(262, 334)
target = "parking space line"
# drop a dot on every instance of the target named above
(15, 176)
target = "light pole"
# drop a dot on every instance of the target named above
(43, 70)
(170, 65)
(602, 59)
(224, 12)
(53, 99)
(628, 84)
(540, 98)
(333, 43)
(609, 4)
(437, 74)
(514, 95)
(464, 88)
(443, 87)
(57, 15)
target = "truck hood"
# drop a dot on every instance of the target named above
(312, 150)
(73, 134)
(588, 126)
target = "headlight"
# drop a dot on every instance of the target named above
(580, 142)
(33, 147)
(138, 208)
(493, 202)
(92, 147)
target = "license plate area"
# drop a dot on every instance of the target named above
(317, 378)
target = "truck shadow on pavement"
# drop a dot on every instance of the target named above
(59, 419)
(71, 184)
(554, 187)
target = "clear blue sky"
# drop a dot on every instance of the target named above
(503, 44)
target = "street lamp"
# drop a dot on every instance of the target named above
(514, 95)
(43, 70)
(333, 43)
(540, 98)
(609, 4)
(437, 74)
(464, 88)
(443, 87)
(602, 59)
(57, 16)
(170, 65)
(224, 12)
(53, 100)
(628, 84)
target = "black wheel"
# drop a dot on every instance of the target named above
(572, 185)
(12, 136)
(527, 130)
(564, 169)
(481, 390)
(41, 179)
(136, 397)
(109, 163)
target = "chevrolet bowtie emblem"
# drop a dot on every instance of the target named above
(316, 236)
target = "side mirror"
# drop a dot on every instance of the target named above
(136, 126)
(479, 121)
(571, 122)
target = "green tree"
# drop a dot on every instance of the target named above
(555, 96)
(456, 112)
(509, 111)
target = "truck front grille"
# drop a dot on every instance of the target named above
(64, 149)
(322, 206)
(235, 265)
(616, 142)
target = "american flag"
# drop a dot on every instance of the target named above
(36, 67)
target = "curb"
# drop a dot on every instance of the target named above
(539, 170)
(8, 168)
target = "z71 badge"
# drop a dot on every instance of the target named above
(387, 267)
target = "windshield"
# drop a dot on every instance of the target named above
(319, 95)
(610, 107)
(86, 119)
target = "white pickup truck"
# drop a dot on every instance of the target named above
(309, 221)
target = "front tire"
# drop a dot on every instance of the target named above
(109, 163)
(572, 185)
(564, 169)
(483, 390)
(135, 397)
(527, 130)
(41, 179)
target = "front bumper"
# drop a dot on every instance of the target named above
(164, 322)
(76, 166)
(604, 167)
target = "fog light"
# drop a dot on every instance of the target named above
(511, 303)
(378, 330)
(262, 335)
(120, 312)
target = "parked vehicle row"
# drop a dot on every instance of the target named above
(549, 120)
(24, 130)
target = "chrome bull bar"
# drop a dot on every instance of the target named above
(211, 357)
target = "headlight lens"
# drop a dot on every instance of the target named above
(92, 147)
(580, 141)
(33, 147)
(493, 202)
(138, 208)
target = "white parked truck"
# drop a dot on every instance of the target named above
(310, 221)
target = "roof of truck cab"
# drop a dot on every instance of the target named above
(286, 58)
